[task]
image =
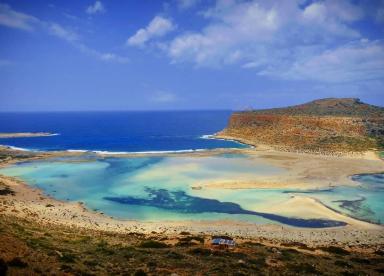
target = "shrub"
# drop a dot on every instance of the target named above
(361, 260)
(152, 244)
(17, 262)
(191, 238)
(303, 268)
(335, 250)
(140, 272)
(3, 267)
(200, 251)
(174, 255)
(68, 258)
(342, 264)
(7, 191)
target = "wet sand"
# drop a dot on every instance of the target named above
(304, 171)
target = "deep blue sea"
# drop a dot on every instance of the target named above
(118, 131)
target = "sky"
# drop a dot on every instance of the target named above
(188, 54)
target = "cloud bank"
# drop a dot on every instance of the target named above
(96, 8)
(158, 27)
(18, 20)
(298, 40)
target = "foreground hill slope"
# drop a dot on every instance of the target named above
(325, 125)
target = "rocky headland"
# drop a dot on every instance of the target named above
(330, 125)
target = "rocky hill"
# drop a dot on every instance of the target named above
(325, 125)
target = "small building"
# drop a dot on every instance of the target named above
(223, 242)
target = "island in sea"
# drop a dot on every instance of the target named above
(306, 198)
(26, 134)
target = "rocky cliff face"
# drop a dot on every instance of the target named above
(327, 125)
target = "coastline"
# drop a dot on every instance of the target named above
(371, 154)
(30, 203)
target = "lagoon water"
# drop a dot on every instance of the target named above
(160, 188)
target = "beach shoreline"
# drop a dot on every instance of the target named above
(31, 203)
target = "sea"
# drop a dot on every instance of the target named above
(118, 132)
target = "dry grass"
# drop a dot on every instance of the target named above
(27, 248)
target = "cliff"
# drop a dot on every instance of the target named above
(326, 125)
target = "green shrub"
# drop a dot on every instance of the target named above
(304, 268)
(17, 262)
(68, 258)
(174, 255)
(152, 244)
(342, 264)
(335, 250)
(3, 267)
(140, 272)
(200, 251)
(360, 260)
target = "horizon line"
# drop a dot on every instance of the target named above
(118, 110)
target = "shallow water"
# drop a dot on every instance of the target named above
(159, 188)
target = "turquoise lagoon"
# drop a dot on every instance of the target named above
(160, 188)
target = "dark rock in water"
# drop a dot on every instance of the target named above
(179, 201)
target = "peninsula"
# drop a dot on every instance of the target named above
(330, 126)
(25, 134)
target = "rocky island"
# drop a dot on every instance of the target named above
(25, 134)
(332, 125)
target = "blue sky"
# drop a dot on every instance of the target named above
(188, 54)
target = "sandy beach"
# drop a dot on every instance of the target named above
(304, 170)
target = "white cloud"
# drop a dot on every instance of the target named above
(332, 17)
(74, 39)
(234, 28)
(110, 57)
(186, 4)
(380, 15)
(163, 97)
(97, 7)
(257, 31)
(359, 61)
(284, 39)
(158, 27)
(63, 33)
(14, 19)
(5, 62)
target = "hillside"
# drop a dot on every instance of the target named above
(325, 125)
(345, 107)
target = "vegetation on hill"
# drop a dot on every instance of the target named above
(28, 248)
(327, 125)
(348, 107)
